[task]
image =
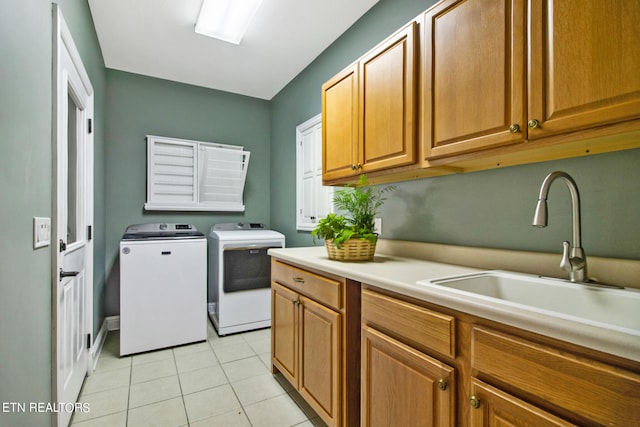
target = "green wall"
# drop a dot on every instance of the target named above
(301, 99)
(139, 106)
(25, 191)
(487, 209)
(491, 208)
(495, 208)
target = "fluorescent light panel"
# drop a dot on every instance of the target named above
(226, 20)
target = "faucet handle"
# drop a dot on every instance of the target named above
(565, 262)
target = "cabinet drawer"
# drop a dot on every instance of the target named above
(422, 327)
(322, 289)
(601, 393)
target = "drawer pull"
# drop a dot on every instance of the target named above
(442, 384)
(298, 279)
(474, 401)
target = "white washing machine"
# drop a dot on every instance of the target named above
(239, 278)
(163, 287)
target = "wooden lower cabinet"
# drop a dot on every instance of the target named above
(494, 408)
(284, 332)
(314, 343)
(402, 386)
(320, 340)
(498, 376)
(306, 350)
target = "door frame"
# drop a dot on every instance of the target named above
(62, 40)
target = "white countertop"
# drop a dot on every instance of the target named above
(389, 272)
(400, 274)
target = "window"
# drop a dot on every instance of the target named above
(195, 176)
(313, 200)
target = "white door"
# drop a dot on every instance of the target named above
(73, 216)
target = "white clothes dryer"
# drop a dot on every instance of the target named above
(239, 276)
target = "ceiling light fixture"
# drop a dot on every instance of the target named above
(226, 20)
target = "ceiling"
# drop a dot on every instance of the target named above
(156, 38)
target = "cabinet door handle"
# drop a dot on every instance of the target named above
(358, 166)
(474, 401)
(514, 128)
(533, 124)
(442, 384)
(298, 280)
(353, 167)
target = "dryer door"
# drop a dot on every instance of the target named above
(246, 268)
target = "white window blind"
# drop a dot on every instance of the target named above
(194, 175)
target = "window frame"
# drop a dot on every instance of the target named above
(318, 194)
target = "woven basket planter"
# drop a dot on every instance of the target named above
(354, 249)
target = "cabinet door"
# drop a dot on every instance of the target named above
(387, 103)
(320, 341)
(584, 64)
(284, 334)
(400, 385)
(340, 125)
(474, 76)
(495, 408)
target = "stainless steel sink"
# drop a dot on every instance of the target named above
(607, 319)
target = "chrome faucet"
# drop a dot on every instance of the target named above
(574, 259)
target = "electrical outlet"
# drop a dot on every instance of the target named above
(377, 226)
(41, 232)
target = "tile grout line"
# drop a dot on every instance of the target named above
(229, 382)
(126, 416)
(255, 339)
(184, 404)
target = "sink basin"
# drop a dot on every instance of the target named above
(606, 319)
(611, 306)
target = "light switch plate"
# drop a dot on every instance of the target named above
(41, 232)
(377, 226)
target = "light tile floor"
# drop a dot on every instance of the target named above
(221, 382)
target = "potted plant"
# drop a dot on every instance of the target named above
(352, 238)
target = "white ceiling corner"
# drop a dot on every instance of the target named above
(156, 38)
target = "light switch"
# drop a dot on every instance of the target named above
(41, 232)
(377, 226)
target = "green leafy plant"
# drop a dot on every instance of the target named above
(361, 202)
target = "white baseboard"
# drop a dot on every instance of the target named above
(111, 323)
(98, 343)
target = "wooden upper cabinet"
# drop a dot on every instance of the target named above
(340, 124)
(369, 110)
(387, 103)
(584, 64)
(473, 67)
(581, 70)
